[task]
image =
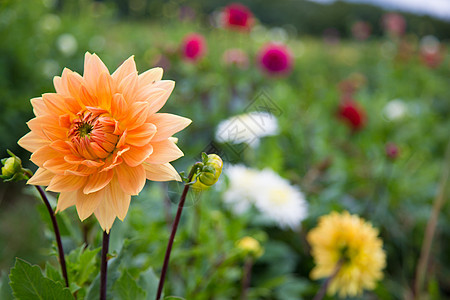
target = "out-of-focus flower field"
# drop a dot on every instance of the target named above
(305, 125)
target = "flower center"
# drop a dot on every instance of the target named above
(92, 134)
(84, 129)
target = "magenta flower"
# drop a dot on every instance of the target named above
(193, 47)
(352, 114)
(275, 59)
(237, 16)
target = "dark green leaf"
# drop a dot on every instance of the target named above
(27, 282)
(126, 288)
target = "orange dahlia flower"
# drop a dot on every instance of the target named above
(99, 137)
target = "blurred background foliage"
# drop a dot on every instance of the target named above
(337, 168)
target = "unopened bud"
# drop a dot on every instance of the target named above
(250, 246)
(209, 172)
(12, 168)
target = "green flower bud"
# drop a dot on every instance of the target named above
(12, 168)
(250, 246)
(209, 173)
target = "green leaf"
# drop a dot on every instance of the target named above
(82, 264)
(27, 282)
(126, 288)
(149, 281)
(52, 273)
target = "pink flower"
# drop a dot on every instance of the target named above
(394, 24)
(275, 59)
(391, 150)
(237, 16)
(193, 47)
(236, 57)
(361, 30)
(352, 114)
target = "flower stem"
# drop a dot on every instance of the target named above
(104, 266)
(62, 260)
(431, 228)
(246, 277)
(174, 231)
(323, 290)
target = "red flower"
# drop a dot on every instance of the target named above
(352, 114)
(193, 47)
(237, 16)
(275, 59)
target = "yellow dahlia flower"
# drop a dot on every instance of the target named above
(99, 137)
(354, 243)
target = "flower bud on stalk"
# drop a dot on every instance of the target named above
(12, 168)
(208, 172)
(250, 246)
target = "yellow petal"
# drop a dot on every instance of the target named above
(136, 155)
(150, 77)
(87, 204)
(41, 177)
(164, 151)
(131, 179)
(167, 125)
(128, 67)
(105, 214)
(65, 200)
(31, 141)
(97, 181)
(163, 172)
(66, 183)
(120, 200)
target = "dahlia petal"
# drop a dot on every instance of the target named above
(42, 155)
(93, 68)
(141, 135)
(41, 177)
(60, 83)
(120, 201)
(61, 147)
(138, 113)
(65, 200)
(58, 165)
(126, 68)
(127, 88)
(39, 108)
(86, 97)
(98, 181)
(104, 90)
(163, 172)
(87, 204)
(81, 171)
(55, 104)
(157, 103)
(167, 125)
(167, 85)
(72, 105)
(31, 141)
(47, 127)
(74, 84)
(64, 121)
(105, 214)
(119, 106)
(149, 93)
(136, 155)
(163, 152)
(131, 179)
(150, 76)
(122, 139)
(66, 183)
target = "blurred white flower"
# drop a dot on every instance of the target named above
(430, 44)
(247, 128)
(273, 196)
(395, 109)
(67, 44)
